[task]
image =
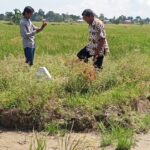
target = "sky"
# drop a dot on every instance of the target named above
(109, 8)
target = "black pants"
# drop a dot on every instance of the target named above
(85, 55)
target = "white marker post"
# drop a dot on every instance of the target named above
(43, 73)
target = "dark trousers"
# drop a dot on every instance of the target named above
(29, 55)
(85, 55)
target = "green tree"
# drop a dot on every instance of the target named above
(138, 19)
(74, 17)
(38, 16)
(58, 18)
(65, 17)
(2, 16)
(8, 16)
(102, 17)
(16, 16)
(122, 19)
(147, 20)
(41, 13)
(50, 16)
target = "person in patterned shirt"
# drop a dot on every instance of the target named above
(97, 46)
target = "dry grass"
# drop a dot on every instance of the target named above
(76, 89)
(38, 142)
(76, 142)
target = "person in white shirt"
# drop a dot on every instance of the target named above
(28, 31)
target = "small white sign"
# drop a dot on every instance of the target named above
(43, 73)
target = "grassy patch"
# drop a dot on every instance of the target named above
(122, 138)
(77, 93)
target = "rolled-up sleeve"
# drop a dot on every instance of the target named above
(101, 31)
(25, 32)
(35, 27)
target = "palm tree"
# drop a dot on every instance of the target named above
(16, 16)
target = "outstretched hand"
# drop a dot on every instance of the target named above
(44, 24)
(42, 27)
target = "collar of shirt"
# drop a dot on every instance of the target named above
(94, 22)
(26, 19)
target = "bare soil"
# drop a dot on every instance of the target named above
(21, 141)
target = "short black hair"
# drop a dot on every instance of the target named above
(28, 9)
(88, 13)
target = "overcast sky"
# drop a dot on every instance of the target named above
(109, 7)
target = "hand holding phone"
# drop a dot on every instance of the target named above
(44, 23)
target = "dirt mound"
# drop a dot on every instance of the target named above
(16, 119)
(125, 115)
(142, 105)
(83, 123)
(77, 120)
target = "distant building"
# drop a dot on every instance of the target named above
(107, 21)
(80, 20)
(128, 21)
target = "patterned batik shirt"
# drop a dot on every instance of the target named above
(97, 32)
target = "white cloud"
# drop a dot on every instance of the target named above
(109, 7)
(112, 7)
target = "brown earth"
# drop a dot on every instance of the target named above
(81, 120)
(21, 141)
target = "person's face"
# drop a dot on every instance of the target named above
(88, 19)
(28, 15)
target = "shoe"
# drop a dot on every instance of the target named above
(98, 69)
(26, 62)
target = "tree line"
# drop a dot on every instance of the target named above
(50, 16)
(125, 20)
(15, 16)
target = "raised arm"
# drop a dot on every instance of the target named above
(39, 29)
(35, 27)
(25, 32)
